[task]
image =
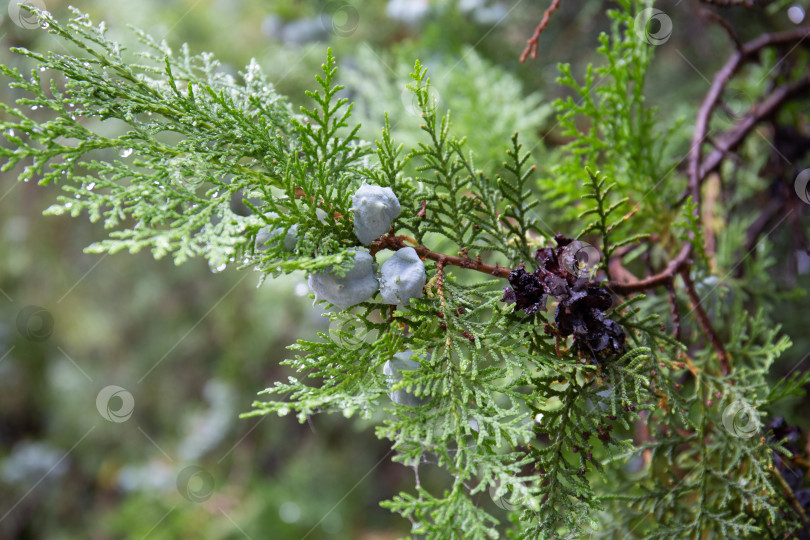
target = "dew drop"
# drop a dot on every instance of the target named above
(126, 152)
(796, 14)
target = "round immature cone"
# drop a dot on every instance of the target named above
(402, 277)
(375, 208)
(357, 285)
(266, 234)
(402, 362)
(291, 238)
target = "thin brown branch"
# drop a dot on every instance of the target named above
(705, 323)
(698, 168)
(673, 310)
(758, 113)
(788, 492)
(734, 3)
(398, 242)
(660, 279)
(423, 212)
(531, 44)
(440, 287)
(724, 25)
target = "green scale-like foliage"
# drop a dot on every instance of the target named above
(507, 408)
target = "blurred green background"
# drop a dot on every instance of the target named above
(193, 347)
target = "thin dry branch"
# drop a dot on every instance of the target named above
(699, 168)
(705, 323)
(531, 44)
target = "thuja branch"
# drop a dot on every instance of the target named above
(698, 168)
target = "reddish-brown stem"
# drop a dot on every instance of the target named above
(532, 43)
(397, 242)
(660, 279)
(440, 287)
(423, 212)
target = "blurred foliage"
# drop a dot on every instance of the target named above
(166, 333)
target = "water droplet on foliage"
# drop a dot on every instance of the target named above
(126, 152)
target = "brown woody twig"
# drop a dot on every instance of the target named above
(531, 44)
(708, 329)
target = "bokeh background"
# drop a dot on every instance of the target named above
(191, 347)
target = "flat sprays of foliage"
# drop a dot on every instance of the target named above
(541, 383)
